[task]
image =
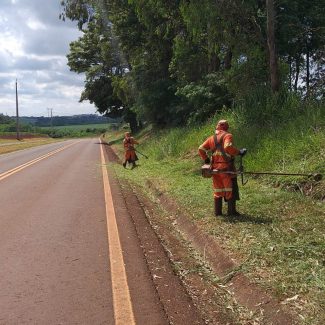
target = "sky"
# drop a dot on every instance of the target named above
(34, 43)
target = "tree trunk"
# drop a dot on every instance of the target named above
(214, 63)
(307, 72)
(228, 58)
(273, 60)
(290, 72)
(297, 72)
(131, 118)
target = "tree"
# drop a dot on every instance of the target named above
(96, 55)
(5, 119)
(301, 39)
(273, 58)
(171, 62)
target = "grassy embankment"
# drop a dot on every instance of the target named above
(280, 239)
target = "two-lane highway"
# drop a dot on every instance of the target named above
(53, 247)
(69, 250)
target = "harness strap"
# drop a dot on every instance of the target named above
(128, 145)
(219, 147)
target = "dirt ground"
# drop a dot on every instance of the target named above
(218, 289)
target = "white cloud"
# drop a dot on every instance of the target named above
(35, 24)
(10, 44)
(34, 45)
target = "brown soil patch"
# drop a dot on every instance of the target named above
(246, 293)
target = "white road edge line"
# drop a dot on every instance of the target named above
(123, 311)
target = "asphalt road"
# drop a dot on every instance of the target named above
(69, 252)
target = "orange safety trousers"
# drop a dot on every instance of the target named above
(130, 155)
(222, 186)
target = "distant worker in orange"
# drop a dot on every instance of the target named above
(130, 155)
(223, 151)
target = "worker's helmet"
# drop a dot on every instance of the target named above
(222, 125)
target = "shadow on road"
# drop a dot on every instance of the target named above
(104, 143)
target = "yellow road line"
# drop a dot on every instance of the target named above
(32, 162)
(123, 312)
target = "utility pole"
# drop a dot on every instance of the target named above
(50, 115)
(17, 114)
(52, 119)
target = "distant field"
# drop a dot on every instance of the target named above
(9, 136)
(10, 145)
(79, 127)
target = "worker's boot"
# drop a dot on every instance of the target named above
(232, 208)
(133, 165)
(124, 164)
(218, 206)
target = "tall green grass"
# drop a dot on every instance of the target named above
(292, 142)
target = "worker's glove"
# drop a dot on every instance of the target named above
(242, 151)
(207, 160)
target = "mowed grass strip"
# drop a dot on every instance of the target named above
(280, 239)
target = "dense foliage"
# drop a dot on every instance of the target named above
(177, 62)
(5, 119)
(81, 119)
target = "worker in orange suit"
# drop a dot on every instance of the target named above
(223, 151)
(129, 155)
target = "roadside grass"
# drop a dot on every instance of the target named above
(279, 240)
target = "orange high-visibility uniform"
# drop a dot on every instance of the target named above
(223, 152)
(130, 155)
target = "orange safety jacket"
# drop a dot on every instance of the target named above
(128, 144)
(222, 148)
(223, 153)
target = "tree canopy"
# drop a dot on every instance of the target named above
(176, 62)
